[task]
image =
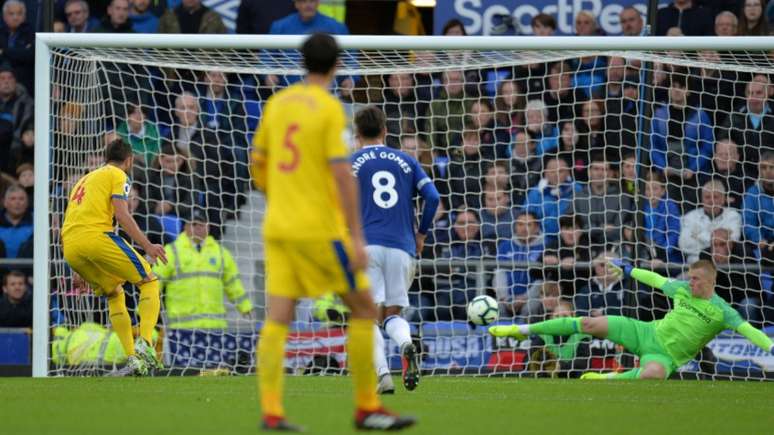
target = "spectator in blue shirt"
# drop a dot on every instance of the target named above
(604, 294)
(305, 21)
(526, 245)
(552, 196)
(661, 220)
(15, 220)
(759, 209)
(681, 140)
(539, 127)
(17, 43)
(142, 18)
(497, 216)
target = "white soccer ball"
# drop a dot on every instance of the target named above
(483, 310)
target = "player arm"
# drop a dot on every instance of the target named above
(646, 277)
(125, 219)
(756, 336)
(431, 198)
(348, 194)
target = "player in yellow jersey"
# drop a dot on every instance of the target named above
(313, 237)
(106, 261)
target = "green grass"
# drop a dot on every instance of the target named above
(444, 405)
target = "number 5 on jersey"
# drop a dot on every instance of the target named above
(385, 195)
(295, 153)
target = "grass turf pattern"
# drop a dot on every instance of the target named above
(444, 405)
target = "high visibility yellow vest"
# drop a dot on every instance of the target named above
(336, 9)
(196, 281)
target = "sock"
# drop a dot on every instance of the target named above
(271, 374)
(380, 359)
(149, 306)
(561, 326)
(631, 374)
(398, 329)
(119, 319)
(360, 354)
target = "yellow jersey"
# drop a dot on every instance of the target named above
(90, 203)
(301, 134)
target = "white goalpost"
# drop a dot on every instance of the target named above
(502, 124)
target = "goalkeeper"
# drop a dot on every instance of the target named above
(662, 345)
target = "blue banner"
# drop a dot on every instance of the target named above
(486, 17)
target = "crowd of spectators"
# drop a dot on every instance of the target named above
(538, 164)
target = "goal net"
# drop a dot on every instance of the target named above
(548, 158)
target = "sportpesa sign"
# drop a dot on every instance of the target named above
(509, 17)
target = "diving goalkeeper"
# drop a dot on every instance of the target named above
(698, 315)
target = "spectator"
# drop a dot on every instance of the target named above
(117, 18)
(149, 223)
(696, 226)
(509, 109)
(681, 141)
(78, 19)
(726, 24)
(465, 171)
(401, 108)
(631, 21)
(543, 25)
(561, 98)
(16, 113)
(751, 19)
(604, 295)
(759, 210)
(591, 127)
(727, 169)
(196, 257)
(446, 113)
(480, 117)
(15, 220)
(526, 166)
(692, 19)
(454, 27)
(546, 300)
(562, 255)
(600, 205)
(497, 216)
(574, 150)
(191, 16)
(454, 291)
(141, 133)
(661, 220)
(526, 245)
(25, 173)
(142, 18)
(25, 153)
(752, 125)
(586, 24)
(552, 196)
(307, 20)
(741, 287)
(171, 189)
(497, 177)
(629, 176)
(16, 303)
(17, 43)
(539, 127)
(715, 88)
(255, 17)
(620, 109)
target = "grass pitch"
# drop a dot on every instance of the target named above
(444, 405)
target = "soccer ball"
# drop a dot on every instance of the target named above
(482, 310)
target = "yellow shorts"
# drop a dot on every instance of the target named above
(105, 261)
(310, 269)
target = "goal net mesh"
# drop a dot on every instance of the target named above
(547, 162)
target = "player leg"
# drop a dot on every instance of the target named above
(399, 273)
(376, 274)
(282, 287)
(596, 326)
(124, 261)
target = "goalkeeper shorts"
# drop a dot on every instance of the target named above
(639, 338)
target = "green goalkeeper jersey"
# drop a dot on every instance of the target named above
(692, 322)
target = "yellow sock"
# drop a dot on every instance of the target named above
(360, 354)
(120, 320)
(271, 374)
(149, 306)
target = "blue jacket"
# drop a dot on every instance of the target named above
(549, 203)
(292, 25)
(547, 139)
(662, 227)
(145, 23)
(590, 76)
(593, 297)
(758, 215)
(13, 236)
(697, 143)
(520, 279)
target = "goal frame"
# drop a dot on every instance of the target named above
(45, 42)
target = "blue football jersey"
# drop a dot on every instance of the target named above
(389, 180)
